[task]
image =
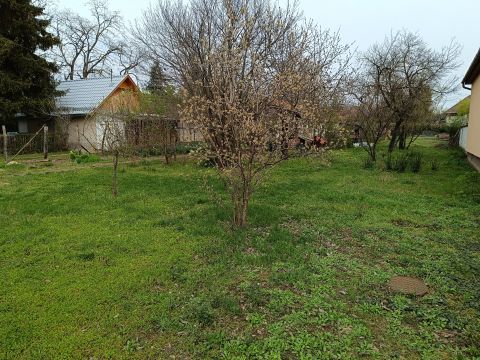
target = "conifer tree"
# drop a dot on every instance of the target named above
(157, 82)
(26, 82)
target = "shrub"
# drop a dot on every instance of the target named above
(415, 160)
(186, 148)
(79, 158)
(203, 159)
(401, 163)
(453, 129)
(389, 166)
(180, 148)
(434, 164)
(368, 163)
(396, 162)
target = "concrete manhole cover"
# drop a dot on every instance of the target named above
(408, 285)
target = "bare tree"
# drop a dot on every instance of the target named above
(371, 116)
(404, 69)
(94, 45)
(114, 140)
(242, 67)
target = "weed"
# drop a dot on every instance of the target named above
(202, 311)
(255, 294)
(178, 272)
(226, 302)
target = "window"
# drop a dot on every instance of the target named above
(22, 126)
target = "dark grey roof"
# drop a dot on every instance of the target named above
(85, 95)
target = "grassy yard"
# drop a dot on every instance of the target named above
(158, 273)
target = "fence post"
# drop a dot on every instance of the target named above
(45, 142)
(5, 145)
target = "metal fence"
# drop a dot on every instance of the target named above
(56, 142)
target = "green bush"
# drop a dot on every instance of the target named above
(368, 163)
(453, 126)
(389, 162)
(396, 162)
(181, 148)
(401, 163)
(415, 161)
(79, 158)
(434, 164)
(186, 148)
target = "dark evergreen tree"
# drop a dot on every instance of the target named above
(26, 82)
(157, 82)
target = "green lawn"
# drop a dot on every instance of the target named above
(157, 273)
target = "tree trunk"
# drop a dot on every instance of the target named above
(402, 141)
(241, 209)
(166, 146)
(393, 140)
(174, 146)
(284, 144)
(115, 171)
(373, 153)
(284, 147)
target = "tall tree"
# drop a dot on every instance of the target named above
(26, 81)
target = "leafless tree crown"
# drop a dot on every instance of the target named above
(252, 74)
(95, 45)
(399, 82)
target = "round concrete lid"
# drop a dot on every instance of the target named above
(408, 285)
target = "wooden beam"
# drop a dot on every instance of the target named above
(5, 145)
(45, 142)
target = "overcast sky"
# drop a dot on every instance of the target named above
(365, 22)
